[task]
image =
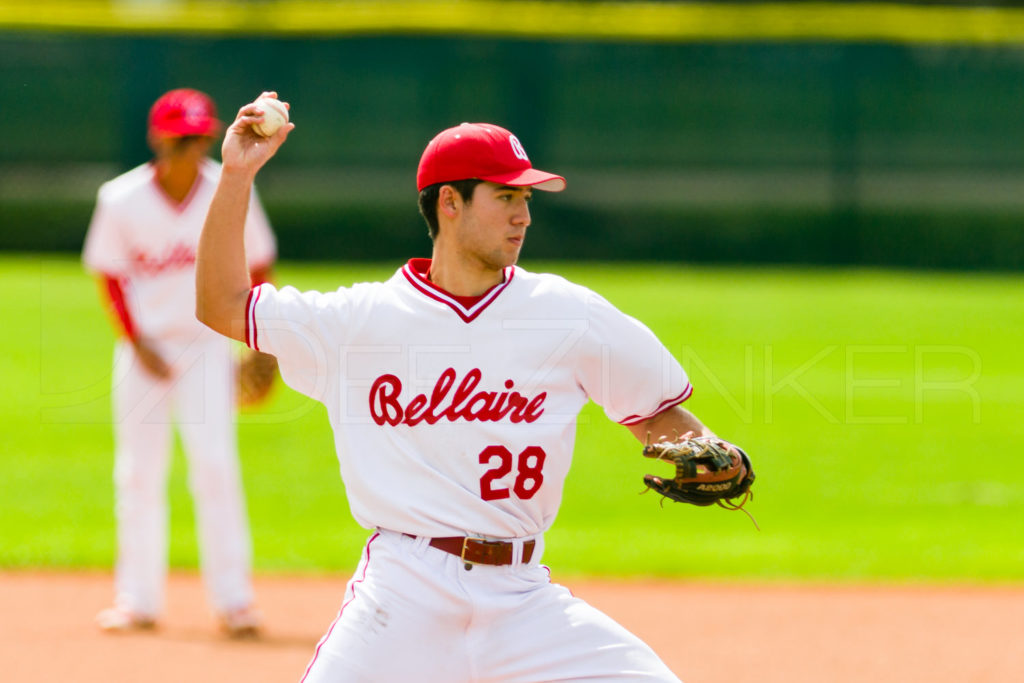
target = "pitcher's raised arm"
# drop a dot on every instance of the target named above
(222, 277)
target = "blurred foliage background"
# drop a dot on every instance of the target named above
(835, 133)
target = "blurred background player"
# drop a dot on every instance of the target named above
(169, 368)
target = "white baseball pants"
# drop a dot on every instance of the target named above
(200, 398)
(413, 613)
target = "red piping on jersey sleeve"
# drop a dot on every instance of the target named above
(250, 318)
(662, 407)
(115, 294)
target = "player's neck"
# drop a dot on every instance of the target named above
(461, 278)
(176, 177)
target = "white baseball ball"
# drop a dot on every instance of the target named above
(275, 115)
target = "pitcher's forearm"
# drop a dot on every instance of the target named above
(222, 276)
(671, 424)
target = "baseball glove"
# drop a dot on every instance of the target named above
(256, 372)
(709, 471)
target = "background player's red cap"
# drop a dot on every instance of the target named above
(183, 112)
(484, 151)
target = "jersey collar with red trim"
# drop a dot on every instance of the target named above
(416, 270)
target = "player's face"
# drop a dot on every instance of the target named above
(193, 148)
(493, 225)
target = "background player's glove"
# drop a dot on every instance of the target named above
(708, 471)
(256, 372)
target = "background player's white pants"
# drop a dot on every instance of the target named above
(413, 613)
(200, 399)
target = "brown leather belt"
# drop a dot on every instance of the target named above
(480, 551)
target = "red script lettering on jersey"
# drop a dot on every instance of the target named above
(462, 403)
(175, 257)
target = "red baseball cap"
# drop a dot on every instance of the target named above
(484, 151)
(183, 112)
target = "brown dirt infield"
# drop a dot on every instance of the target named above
(707, 633)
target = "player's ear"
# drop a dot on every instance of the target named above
(448, 200)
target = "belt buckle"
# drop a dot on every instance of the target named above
(465, 545)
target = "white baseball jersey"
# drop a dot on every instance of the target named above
(451, 420)
(140, 235)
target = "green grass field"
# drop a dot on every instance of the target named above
(882, 411)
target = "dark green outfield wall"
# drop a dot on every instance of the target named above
(806, 153)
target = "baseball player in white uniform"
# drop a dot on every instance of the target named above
(453, 390)
(169, 368)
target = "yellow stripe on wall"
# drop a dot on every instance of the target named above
(640, 21)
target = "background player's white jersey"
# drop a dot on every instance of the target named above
(466, 427)
(143, 237)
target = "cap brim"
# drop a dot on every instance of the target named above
(529, 177)
(175, 129)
